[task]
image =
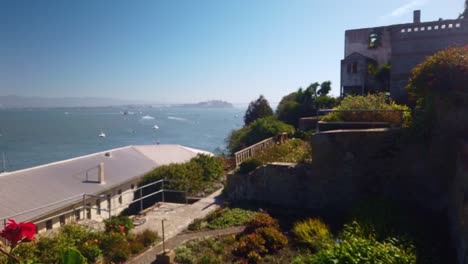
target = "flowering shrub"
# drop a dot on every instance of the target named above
(261, 237)
(260, 220)
(119, 224)
(16, 234)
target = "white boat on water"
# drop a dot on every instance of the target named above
(155, 127)
(102, 134)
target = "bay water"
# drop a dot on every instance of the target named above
(32, 137)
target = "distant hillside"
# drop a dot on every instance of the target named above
(14, 101)
(210, 104)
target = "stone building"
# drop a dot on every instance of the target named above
(92, 187)
(403, 46)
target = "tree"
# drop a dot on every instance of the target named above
(464, 15)
(258, 130)
(257, 109)
(325, 88)
(303, 103)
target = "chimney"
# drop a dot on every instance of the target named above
(417, 16)
(101, 173)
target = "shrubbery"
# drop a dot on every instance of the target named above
(312, 233)
(222, 218)
(370, 102)
(199, 172)
(120, 224)
(249, 165)
(446, 71)
(293, 150)
(115, 245)
(261, 236)
(256, 131)
(354, 246)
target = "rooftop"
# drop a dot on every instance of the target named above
(64, 182)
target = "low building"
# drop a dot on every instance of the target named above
(403, 46)
(94, 186)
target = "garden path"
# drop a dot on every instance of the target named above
(177, 218)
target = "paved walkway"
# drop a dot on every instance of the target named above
(177, 218)
(149, 256)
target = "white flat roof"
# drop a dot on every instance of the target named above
(27, 189)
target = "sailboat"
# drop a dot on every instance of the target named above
(102, 134)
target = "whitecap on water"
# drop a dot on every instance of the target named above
(147, 117)
(176, 118)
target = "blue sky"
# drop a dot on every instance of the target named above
(185, 51)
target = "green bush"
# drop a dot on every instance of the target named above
(136, 247)
(445, 71)
(90, 250)
(119, 224)
(354, 246)
(147, 237)
(256, 131)
(115, 247)
(26, 251)
(200, 172)
(293, 150)
(312, 233)
(370, 102)
(73, 256)
(197, 224)
(249, 165)
(230, 217)
(184, 255)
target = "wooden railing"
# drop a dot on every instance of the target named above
(250, 151)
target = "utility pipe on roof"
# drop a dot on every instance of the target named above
(101, 173)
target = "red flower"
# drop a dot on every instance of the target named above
(15, 233)
(28, 230)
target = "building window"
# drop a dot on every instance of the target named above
(98, 206)
(109, 202)
(120, 196)
(442, 27)
(88, 211)
(354, 67)
(450, 26)
(77, 214)
(416, 29)
(62, 220)
(436, 27)
(409, 29)
(422, 28)
(403, 30)
(457, 25)
(429, 27)
(48, 224)
(374, 40)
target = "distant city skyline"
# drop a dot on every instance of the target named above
(185, 51)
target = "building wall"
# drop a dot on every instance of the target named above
(358, 41)
(413, 43)
(120, 197)
(404, 46)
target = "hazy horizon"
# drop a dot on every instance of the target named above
(182, 52)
